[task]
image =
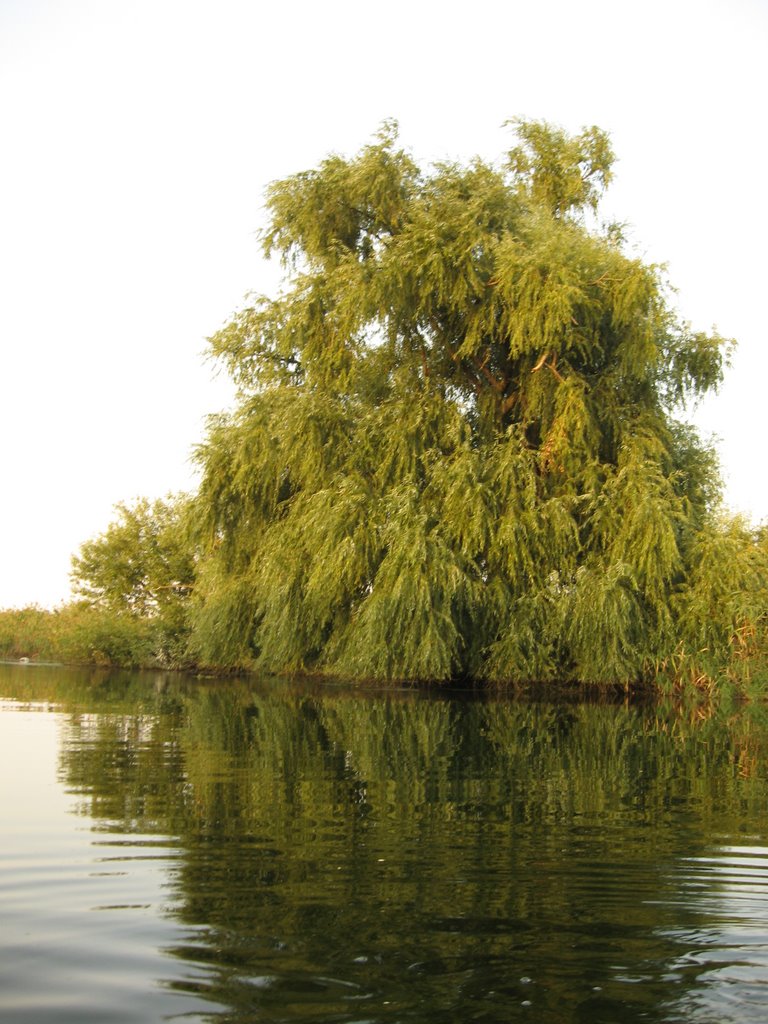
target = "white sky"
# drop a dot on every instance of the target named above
(137, 140)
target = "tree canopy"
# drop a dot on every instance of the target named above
(143, 568)
(456, 450)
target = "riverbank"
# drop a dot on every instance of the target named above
(75, 633)
(81, 634)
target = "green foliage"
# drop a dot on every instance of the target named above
(454, 452)
(561, 173)
(28, 633)
(77, 633)
(100, 636)
(141, 564)
(723, 610)
(138, 575)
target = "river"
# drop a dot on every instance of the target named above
(270, 851)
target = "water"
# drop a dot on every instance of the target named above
(270, 852)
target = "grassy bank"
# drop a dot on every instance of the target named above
(81, 634)
(77, 634)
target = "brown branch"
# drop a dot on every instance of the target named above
(508, 402)
(553, 369)
(496, 384)
(551, 366)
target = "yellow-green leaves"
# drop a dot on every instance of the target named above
(563, 173)
(141, 570)
(453, 452)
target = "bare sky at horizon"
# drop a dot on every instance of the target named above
(138, 142)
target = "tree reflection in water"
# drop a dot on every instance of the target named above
(347, 855)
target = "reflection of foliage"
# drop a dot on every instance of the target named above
(433, 847)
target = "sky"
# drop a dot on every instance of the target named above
(138, 139)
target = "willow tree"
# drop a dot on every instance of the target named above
(455, 451)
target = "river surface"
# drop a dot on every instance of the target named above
(250, 851)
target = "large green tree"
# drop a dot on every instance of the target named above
(142, 570)
(455, 451)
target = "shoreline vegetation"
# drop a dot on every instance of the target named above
(458, 452)
(77, 634)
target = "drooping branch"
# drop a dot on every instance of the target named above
(551, 366)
